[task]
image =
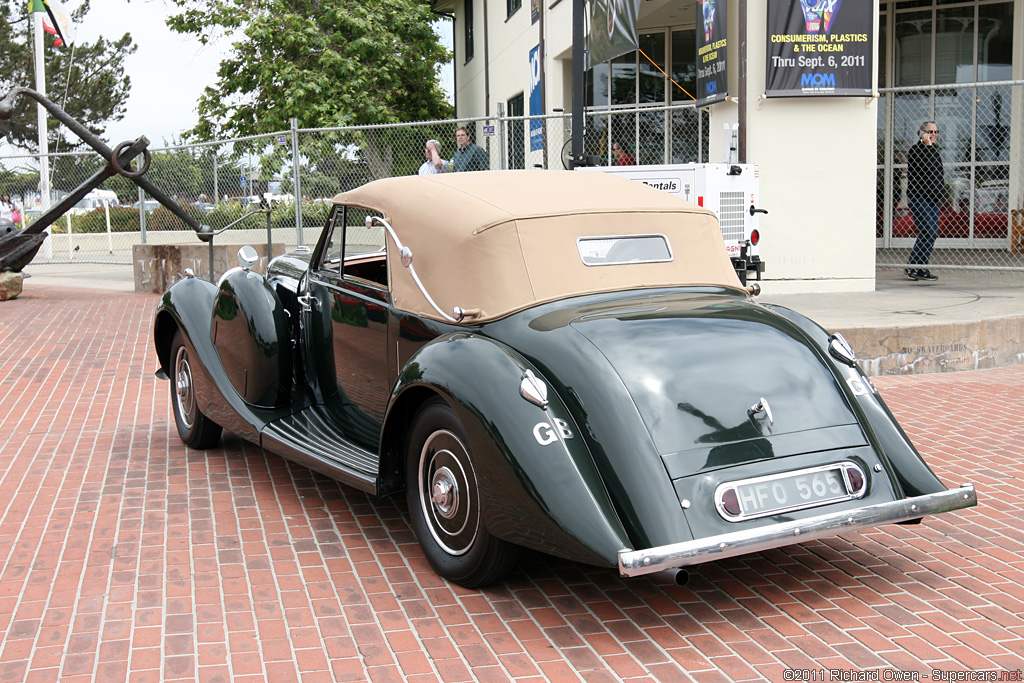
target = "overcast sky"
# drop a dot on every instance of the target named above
(168, 71)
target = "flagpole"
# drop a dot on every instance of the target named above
(44, 151)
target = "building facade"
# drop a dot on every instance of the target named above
(831, 168)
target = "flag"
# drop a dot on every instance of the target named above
(612, 30)
(58, 22)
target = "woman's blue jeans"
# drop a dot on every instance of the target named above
(926, 218)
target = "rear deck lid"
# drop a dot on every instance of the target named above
(696, 367)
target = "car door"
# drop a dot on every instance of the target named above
(345, 325)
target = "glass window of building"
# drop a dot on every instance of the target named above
(518, 131)
(936, 57)
(661, 73)
(467, 28)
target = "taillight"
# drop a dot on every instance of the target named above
(856, 479)
(755, 237)
(730, 503)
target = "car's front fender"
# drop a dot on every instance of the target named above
(187, 305)
(539, 485)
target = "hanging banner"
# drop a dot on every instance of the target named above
(536, 125)
(712, 76)
(612, 30)
(819, 48)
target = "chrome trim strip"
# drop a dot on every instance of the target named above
(649, 560)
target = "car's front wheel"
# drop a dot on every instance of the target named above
(444, 502)
(195, 429)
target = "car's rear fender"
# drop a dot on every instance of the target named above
(539, 485)
(906, 467)
(187, 306)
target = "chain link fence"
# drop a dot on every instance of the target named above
(974, 208)
(951, 200)
(221, 183)
(980, 222)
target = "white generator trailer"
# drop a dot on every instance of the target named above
(732, 191)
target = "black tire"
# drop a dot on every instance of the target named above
(444, 502)
(195, 429)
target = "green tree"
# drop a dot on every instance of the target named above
(96, 85)
(68, 172)
(326, 64)
(325, 177)
(20, 182)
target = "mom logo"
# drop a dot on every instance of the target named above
(817, 80)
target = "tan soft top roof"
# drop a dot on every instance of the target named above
(502, 241)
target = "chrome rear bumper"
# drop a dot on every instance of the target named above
(638, 562)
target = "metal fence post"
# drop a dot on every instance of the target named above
(296, 180)
(700, 136)
(142, 214)
(216, 189)
(888, 170)
(501, 136)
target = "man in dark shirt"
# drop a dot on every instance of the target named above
(469, 156)
(925, 189)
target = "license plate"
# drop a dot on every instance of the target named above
(788, 491)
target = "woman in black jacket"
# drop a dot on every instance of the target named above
(925, 189)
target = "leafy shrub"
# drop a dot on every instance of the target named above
(122, 219)
(126, 219)
(163, 219)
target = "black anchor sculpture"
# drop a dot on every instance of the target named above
(19, 247)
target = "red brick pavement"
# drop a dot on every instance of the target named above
(125, 556)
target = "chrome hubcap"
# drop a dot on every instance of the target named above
(183, 388)
(448, 492)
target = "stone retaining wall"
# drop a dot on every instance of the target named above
(158, 266)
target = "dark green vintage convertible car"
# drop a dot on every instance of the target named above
(552, 360)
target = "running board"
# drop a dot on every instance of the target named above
(310, 440)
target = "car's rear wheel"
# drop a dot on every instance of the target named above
(444, 502)
(195, 429)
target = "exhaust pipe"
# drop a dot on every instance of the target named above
(680, 577)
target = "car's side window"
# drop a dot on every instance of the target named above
(360, 239)
(353, 249)
(330, 258)
(365, 257)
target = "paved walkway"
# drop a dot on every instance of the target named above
(958, 296)
(125, 556)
